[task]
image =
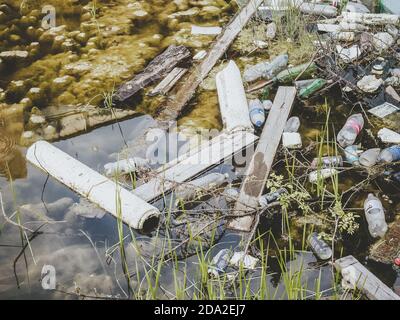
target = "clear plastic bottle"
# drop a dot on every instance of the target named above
(391, 154)
(327, 162)
(370, 157)
(351, 154)
(271, 197)
(257, 113)
(266, 70)
(292, 125)
(375, 216)
(353, 126)
(220, 262)
(319, 247)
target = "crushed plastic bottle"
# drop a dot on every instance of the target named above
(370, 157)
(220, 262)
(353, 126)
(319, 247)
(266, 70)
(268, 198)
(257, 113)
(326, 173)
(292, 125)
(327, 162)
(351, 155)
(230, 194)
(391, 154)
(375, 216)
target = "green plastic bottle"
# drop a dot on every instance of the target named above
(312, 88)
(290, 74)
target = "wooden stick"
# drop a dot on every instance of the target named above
(260, 165)
(199, 72)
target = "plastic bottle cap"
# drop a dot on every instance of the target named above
(397, 262)
(259, 123)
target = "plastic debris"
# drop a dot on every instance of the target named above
(266, 70)
(351, 154)
(349, 55)
(383, 110)
(292, 125)
(369, 84)
(388, 136)
(327, 162)
(242, 259)
(125, 166)
(219, 263)
(257, 113)
(370, 157)
(375, 216)
(271, 197)
(319, 247)
(322, 174)
(391, 154)
(292, 140)
(353, 126)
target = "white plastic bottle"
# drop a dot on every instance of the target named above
(353, 126)
(375, 216)
(257, 113)
(370, 157)
(292, 125)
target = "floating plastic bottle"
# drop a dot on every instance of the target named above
(351, 155)
(189, 190)
(323, 174)
(266, 70)
(292, 125)
(370, 157)
(353, 126)
(327, 162)
(375, 216)
(391, 154)
(266, 199)
(125, 166)
(319, 247)
(257, 113)
(220, 262)
(316, 85)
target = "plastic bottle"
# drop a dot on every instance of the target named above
(220, 262)
(125, 166)
(292, 125)
(353, 126)
(230, 194)
(370, 157)
(352, 155)
(271, 31)
(189, 190)
(327, 162)
(257, 113)
(316, 85)
(322, 174)
(266, 70)
(267, 104)
(391, 154)
(290, 74)
(375, 216)
(271, 197)
(319, 247)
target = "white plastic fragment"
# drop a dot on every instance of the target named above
(232, 99)
(197, 30)
(369, 84)
(98, 189)
(350, 54)
(383, 110)
(291, 140)
(382, 41)
(389, 136)
(323, 174)
(247, 261)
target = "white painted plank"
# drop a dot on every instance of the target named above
(169, 81)
(260, 165)
(194, 163)
(357, 276)
(91, 185)
(232, 99)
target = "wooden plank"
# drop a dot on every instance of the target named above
(168, 82)
(260, 165)
(156, 70)
(199, 72)
(189, 166)
(232, 99)
(90, 184)
(357, 276)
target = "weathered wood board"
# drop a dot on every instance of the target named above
(197, 161)
(92, 185)
(357, 276)
(156, 70)
(199, 72)
(232, 99)
(260, 165)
